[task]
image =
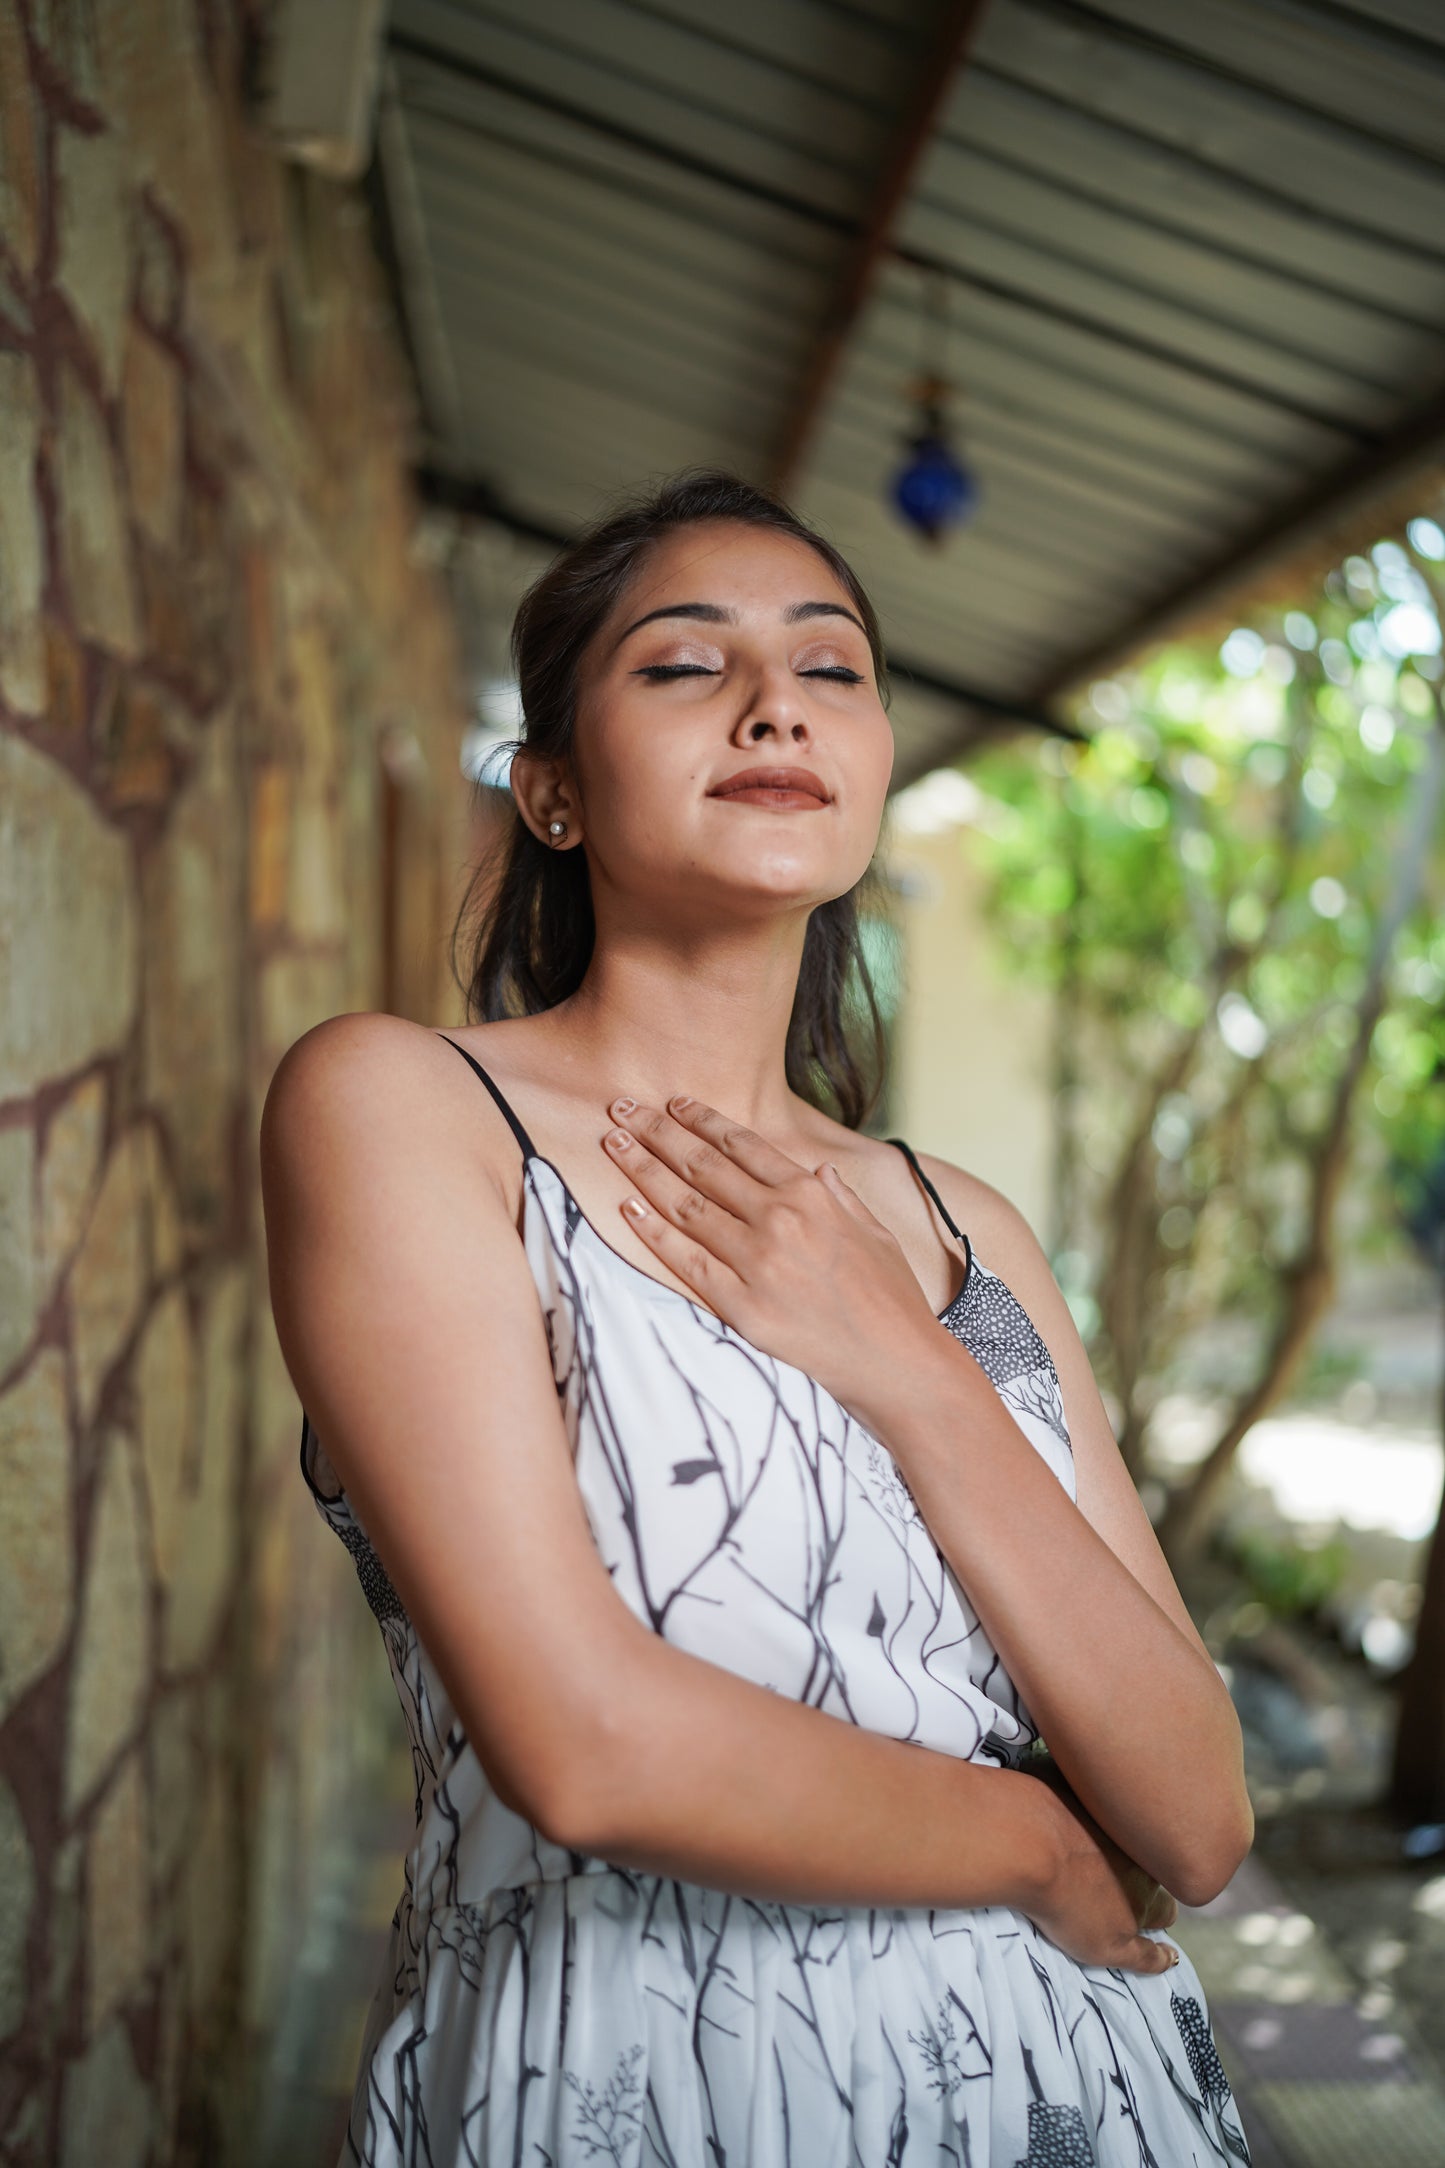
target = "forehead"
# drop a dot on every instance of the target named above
(740, 567)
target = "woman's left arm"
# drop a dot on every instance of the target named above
(1076, 1597)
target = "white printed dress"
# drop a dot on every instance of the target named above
(542, 2009)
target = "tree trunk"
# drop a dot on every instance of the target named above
(1417, 1774)
(1308, 1283)
(1190, 1510)
(1132, 1216)
(1067, 1025)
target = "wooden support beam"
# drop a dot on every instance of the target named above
(944, 55)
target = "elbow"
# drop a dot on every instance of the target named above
(576, 1792)
(1220, 1827)
(572, 1753)
(575, 1811)
(1215, 1858)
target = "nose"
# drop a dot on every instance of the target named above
(776, 709)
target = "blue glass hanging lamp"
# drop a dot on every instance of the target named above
(935, 489)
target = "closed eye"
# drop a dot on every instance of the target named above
(660, 672)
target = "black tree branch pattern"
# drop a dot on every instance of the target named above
(608, 2121)
(543, 2008)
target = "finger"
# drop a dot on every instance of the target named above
(694, 1158)
(1146, 1955)
(672, 1199)
(735, 1142)
(1142, 1891)
(1153, 1905)
(1161, 1911)
(699, 1269)
(834, 1183)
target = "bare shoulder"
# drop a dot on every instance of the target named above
(352, 1071)
(350, 1054)
(368, 1084)
(992, 1222)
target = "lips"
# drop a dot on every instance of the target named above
(773, 786)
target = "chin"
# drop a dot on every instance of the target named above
(782, 888)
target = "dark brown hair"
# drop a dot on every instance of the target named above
(527, 920)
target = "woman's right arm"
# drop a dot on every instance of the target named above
(410, 1323)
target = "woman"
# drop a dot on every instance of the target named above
(733, 1527)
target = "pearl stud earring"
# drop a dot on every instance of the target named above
(556, 830)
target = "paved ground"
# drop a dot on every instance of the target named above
(1320, 2082)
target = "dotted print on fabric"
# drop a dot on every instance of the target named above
(1057, 2138)
(1199, 2047)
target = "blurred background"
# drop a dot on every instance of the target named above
(1107, 342)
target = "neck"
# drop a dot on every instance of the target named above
(705, 1014)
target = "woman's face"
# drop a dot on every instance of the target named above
(733, 654)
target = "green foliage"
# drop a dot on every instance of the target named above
(1291, 1578)
(1206, 879)
(1329, 1369)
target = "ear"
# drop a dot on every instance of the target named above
(544, 792)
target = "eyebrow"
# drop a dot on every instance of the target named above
(712, 613)
(800, 610)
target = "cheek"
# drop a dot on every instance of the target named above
(636, 778)
(875, 751)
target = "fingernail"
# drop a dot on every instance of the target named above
(680, 1099)
(618, 1139)
(634, 1207)
(623, 1106)
(1173, 1957)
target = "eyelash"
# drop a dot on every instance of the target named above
(660, 672)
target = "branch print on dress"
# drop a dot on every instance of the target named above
(542, 2009)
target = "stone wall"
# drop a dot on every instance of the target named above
(223, 654)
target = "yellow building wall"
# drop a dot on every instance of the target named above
(972, 1044)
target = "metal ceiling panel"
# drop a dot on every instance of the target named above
(729, 348)
(1166, 468)
(531, 332)
(1274, 306)
(1422, 18)
(1374, 79)
(1069, 50)
(869, 57)
(592, 153)
(1194, 252)
(1177, 186)
(1020, 367)
(686, 88)
(729, 271)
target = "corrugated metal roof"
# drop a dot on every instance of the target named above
(1194, 252)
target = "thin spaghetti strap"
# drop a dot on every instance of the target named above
(529, 1149)
(948, 1219)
